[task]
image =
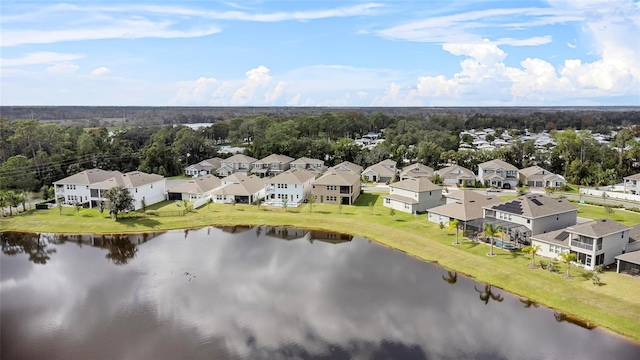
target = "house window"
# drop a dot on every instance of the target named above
(557, 216)
(528, 221)
(136, 190)
(387, 201)
(152, 186)
(406, 206)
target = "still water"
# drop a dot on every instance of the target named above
(264, 293)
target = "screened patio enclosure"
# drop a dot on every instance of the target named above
(518, 235)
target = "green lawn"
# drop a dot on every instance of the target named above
(615, 305)
(598, 212)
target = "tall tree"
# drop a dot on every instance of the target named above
(118, 200)
(532, 249)
(568, 258)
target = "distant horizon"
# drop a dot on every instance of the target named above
(369, 53)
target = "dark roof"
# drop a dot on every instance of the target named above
(534, 206)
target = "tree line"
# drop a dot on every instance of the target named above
(33, 154)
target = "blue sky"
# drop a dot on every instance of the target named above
(320, 53)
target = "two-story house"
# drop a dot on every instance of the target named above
(595, 243)
(292, 186)
(529, 215)
(415, 171)
(88, 187)
(348, 166)
(413, 195)
(271, 165)
(498, 173)
(337, 187)
(537, 177)
(204, 167)
(382, 172)
(240, 189)
(632, 184)
(236, 163)
(314, 165)
(456, 175)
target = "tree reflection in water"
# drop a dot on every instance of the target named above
(561, 317)
(487, 294)
(452, 277)
(529, 303)
(34, 245)
(121, 249)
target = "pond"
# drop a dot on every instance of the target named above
(264, 293)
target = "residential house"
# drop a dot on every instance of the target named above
(456, 175)
(629, 261)
(194, 189)
(463, 205)
(292, 186)
(337, 187)
(88, 187)
(204, 167)
(595, 243)
(271, 165)
(348, 166)
(382, 172)
(529, 215)
(236, 163)
(537, 177)
(415, 171)
(632, 184)
(238, 188)
(413, 195)
(498, 173)
(314, 165)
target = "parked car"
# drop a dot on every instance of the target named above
(493, 189)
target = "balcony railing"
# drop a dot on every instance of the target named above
(582, 245)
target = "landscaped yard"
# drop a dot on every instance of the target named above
(615, 305)
(598, 212)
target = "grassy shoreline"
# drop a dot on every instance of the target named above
(615, 305)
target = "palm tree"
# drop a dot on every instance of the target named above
(490, 231)
(487, 294)
(568, 258)
(532, 249)
(451, 278)
(455, 224)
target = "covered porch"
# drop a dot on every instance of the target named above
(628, 263)
(516, 237)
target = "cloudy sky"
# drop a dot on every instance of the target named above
(320, 53)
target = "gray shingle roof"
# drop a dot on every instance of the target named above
(468, 207)
(199, 185)
(416, 185)
(338, 177)
(598, 228)
(294, 176)
(632, 257)
(497, 164)
(534, 206)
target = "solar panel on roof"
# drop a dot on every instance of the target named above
(536, 201)
(562, 236)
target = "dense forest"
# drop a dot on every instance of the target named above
(34, 153)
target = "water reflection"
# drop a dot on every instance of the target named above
(528, 303)
(34, 245)
(218, 295)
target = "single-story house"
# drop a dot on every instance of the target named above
(537, 177)
(194, 189)
(382, 172)
(240, 189)
(415, 171)
(463, 205)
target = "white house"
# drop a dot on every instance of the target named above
(595, 243)
(382, 172)
(456, 175)
(537, 177)
(236, 163)
(194, 189)
(204, 167)
(413, 195)
(416, 170)
(498, 173)
(87, 187)
(632, 184)
(292, 186)
(240, 189)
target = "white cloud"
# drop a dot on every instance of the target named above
(256, 78)
(40, 58)
(134, 28)
(294, 101)
(362, 94)
(272, 96)
(64, 67)
(197, 92)
(100, 71)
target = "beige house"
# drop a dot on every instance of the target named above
(204, 167)
(240, 189)
(337, 187)
(415, 171)
(456, 175)
(194, 189)
(463, 205)
(382, 172)
(314, 165)
(537, 177)
(498, 173)
(271, 165)
(348, 166)
(413, 195)
(236, 163)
